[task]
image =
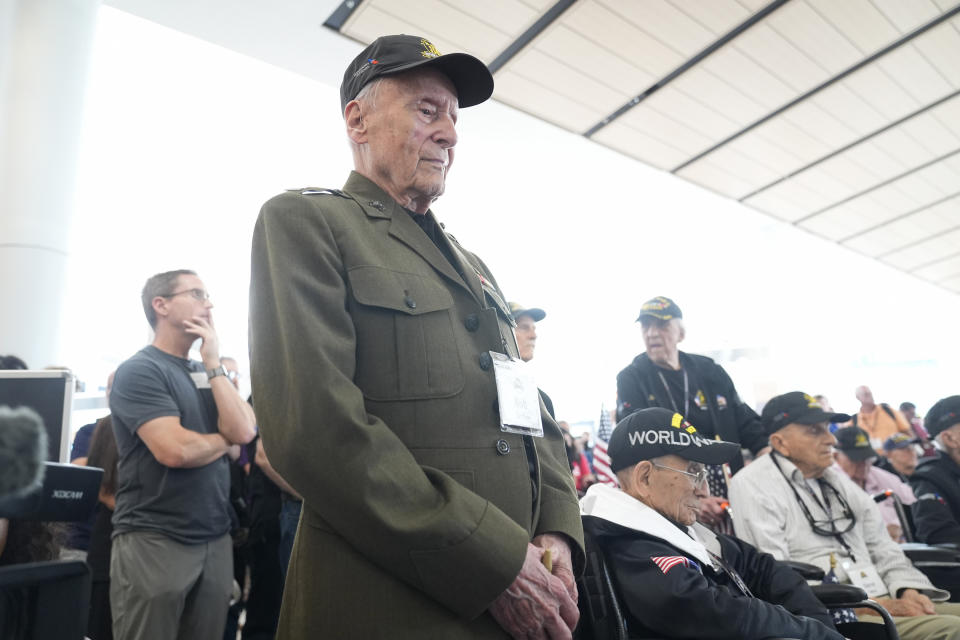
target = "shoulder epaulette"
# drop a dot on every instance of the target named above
(312, 191)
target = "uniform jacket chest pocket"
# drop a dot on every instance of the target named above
(406, 346)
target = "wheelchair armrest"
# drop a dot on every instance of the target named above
(932, 554)
(947, 545)
(835, 594)
(806, 570)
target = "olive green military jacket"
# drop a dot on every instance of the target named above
(376, 400)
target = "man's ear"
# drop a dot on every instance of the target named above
(777, 444)
(159, 304)
(640, 475)
(356, 125)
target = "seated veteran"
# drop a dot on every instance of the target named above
(794, 504)
(936, 481)
(856, 458)
(676, 578)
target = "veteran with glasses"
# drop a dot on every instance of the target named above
(795, 505)
(677, 579)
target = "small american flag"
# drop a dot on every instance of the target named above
(840, 616)
(665, 563)
(601, 460)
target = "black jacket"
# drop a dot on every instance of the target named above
(703, 603)
(936, 513)
(639, 387)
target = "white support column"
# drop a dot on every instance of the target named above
(45, 48)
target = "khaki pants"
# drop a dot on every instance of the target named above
(944, 625)
(164, 590)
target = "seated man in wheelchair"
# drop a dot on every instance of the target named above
(936, 481)
(675, 577)
(793, 504)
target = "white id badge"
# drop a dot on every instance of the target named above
(865, 576)
(517, 396)
(200, 379)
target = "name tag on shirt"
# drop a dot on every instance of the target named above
(865, 576)
(200, 379)
(517, 396)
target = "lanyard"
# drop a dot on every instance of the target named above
(686, 394)
(825, 506)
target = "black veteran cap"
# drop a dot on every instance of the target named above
(796, 407)
(655, 432)
(393, 54)
(517, 310)
(942, 415)
(855, 443)
(661, 308)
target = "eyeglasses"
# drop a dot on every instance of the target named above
(199, 294)
(697, 478)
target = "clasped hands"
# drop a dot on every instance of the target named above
(540, 604)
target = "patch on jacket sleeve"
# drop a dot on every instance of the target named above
(665, 563)
(932, 496)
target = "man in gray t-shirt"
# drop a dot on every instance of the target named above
(175, 420)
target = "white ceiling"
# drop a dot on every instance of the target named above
(842, 118)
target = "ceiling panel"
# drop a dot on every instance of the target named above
(947, 268)
(718, 16)
(603, 65)
(665, 21)
(668, 130)
(816, 37)
(919, 226)
(925, 253)
(907, 16)
(639, 145)
(566, 81)
(860, 21)
(537, 99)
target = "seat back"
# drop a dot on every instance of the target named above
(601, 617)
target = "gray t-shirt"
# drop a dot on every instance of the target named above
(188, 505)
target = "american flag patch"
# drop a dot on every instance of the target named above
(665, 563)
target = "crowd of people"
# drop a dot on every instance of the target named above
(398, 473)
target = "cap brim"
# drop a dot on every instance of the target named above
(718, 452)
(536, 314)
(471, 78)
(858, 454)
(658, 316)
(819, 415)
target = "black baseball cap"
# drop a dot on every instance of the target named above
(854, 443)
(392, 54)
(651, 433)
(661, 308)
(942, 415)
(796, 407)
(517, 310)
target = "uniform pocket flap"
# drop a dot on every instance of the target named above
(410, 293)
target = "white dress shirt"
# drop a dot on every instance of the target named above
(767, 515)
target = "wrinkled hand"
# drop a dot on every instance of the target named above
(536, 605)
(925, 603)
(711, 513)
(562, 560)
(210, 346)
(910, 603)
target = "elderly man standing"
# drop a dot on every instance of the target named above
(694, 386)
(378, 347)
(794, 505)
(676, 578)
